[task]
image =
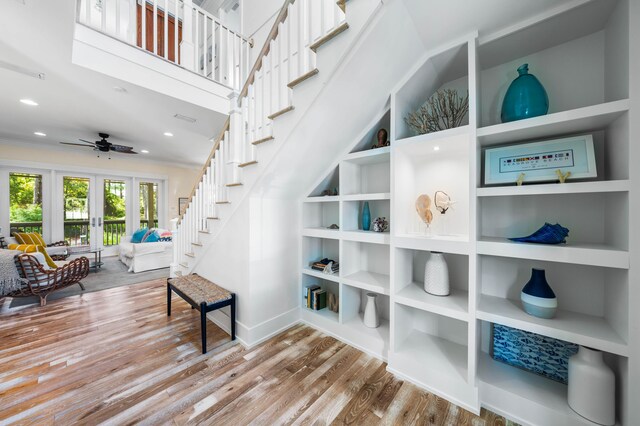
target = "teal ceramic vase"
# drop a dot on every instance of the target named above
(366, 217)
(538, 299)
(525, 97)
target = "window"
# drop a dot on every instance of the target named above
(148, 205)
(25, 202)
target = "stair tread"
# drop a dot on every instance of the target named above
(263, 140)
(197, 244)
(302, 78)
(204, 231)
(184, 264)
(224, 202)
(234, 184)
(213, 218)
(281, 112)
(190, 254)
(337, 30)
(248, 163)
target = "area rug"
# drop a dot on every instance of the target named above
(112, 274)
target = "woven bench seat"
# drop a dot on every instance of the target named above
(204, 296)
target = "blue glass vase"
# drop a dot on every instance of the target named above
(538, 299)
(525, 97)
(366, 217)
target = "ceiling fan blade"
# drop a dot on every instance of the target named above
(92, 143)
(122, 149)
(78, 144)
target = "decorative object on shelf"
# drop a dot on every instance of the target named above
(315, 297)
(442, 201)
(436, 275)
(520, 179)
(366, 217)
(525, 97)
(541, 160)
(562, 177)
(423, 207)
(533, 352)
(443, 110)
(333, 226)
(333, 303)
(371, 318)
(383, 139)
(592, 387)
(547, 234)
(329, 192)
(380, 224)
(326, 266)
(538, 299)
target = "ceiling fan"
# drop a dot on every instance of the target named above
(103, 145)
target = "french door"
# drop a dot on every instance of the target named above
(96, 211)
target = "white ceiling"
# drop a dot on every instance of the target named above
(75, 102)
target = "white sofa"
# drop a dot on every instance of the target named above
(140, 257)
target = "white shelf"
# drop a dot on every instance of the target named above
(578, 254)
(322, 199)
(367, 236)
(437, 365)
(586, 330)
(321, 233)
(527, 395)
(456, 305)
(446, 244)
(431, 138)
(373, 340)
(321, 275)
(369, 281)
(555, 188)
(322, 313)
(367, 197)
(573, 121)
(371, 156)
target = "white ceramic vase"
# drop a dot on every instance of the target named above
(436, 275)
(592, 387)
(371, 319)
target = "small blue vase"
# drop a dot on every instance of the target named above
(525, 97)
(366, 217)
(538, 299)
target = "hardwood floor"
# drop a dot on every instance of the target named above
(114, 357)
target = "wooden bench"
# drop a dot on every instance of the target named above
(204, 296)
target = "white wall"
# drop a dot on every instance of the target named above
(257, 19)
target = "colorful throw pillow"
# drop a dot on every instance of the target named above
(32, 248)
(29, 238)
(153, 237)
(150, 232)
(139, 235)
(165, 239)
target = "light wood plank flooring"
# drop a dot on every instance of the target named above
(114, 357)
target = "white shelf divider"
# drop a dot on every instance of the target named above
(321, 233)
(370, 156)
(322, 199)
(369, 281)
(578, 254)
(573, 121)
(367, 236)
(321, 275)
(367, 197)
(586, 330)
(456, 305)
(555, 188)
(445, 244)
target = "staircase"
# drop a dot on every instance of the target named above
(287, 59)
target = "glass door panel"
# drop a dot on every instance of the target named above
(25, 203)
(78, 228)
(148, 204)
(114, 225)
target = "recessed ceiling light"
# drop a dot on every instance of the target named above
(39, 134)
(168, 134)
(144, 151)
(29, 102)
(185, 118)
(436, 148)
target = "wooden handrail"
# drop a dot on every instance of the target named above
(282, 15)
(212, 155)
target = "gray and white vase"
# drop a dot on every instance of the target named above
(436, 275)
(371, 318)
(592, 387)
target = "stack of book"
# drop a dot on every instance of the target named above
(315, 297)
(321, 265)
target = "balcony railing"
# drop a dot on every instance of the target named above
(176, 30)
(76, 232)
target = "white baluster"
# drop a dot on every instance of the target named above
(155, 26)
(117, 18)
(196, 42)
(176, 28)
(103, 16)
(166, 30)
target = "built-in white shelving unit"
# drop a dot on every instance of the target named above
(444, 343)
